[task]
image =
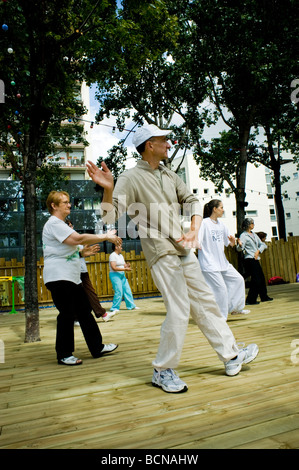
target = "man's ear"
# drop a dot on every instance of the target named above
(149, 143)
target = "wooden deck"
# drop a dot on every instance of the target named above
(109, 403)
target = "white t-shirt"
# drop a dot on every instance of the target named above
(212, 238)
(61, 261)
(83, 265)
(119, 259)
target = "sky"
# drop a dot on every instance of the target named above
(102, 135)
(103, 138)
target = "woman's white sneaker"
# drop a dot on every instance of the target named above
(108, 348)
(108, 315)
(240, 312)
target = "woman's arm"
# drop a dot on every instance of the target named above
(89, 250)
(89, 239)
(119, 268)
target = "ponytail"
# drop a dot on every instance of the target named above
(209, 206)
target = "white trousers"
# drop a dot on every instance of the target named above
(228, 288)
(184, 291)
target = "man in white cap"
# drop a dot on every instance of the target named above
(151, 194)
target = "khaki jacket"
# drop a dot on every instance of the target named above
(154, 200)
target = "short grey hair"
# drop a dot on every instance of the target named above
(246, 223)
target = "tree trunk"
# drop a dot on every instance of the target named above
(278, 204)
(275, 167)
(240, 189)
(241, 179)
(31, 293)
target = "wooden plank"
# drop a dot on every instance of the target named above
(293, 246)
(109, 403)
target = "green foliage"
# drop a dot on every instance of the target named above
(56, 45)
(41, 78)
(48, 177)
(116, 159)
(219, 158)
(239, 56)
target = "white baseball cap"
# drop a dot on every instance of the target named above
(147, 131)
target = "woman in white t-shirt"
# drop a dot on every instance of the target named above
(61, 275)
(120, 284)
(226, 283)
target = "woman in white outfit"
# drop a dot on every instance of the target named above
(226, 283)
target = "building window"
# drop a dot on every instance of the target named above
(272, 214)
(97, 203)
(288, 215)
(295, 175)
(195, 191)
(251, 213)
(206, 190)
(274, 231)
(88, 204)
(78, 203)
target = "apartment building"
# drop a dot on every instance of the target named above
(260, 201)
(85, 201)
(290, 194)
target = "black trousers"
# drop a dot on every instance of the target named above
(257, 282)
(72, 303)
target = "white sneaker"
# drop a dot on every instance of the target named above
(240, 312)
(168, 381)
(108, 348)
(108, 315)
(245, 356)
(135, 308)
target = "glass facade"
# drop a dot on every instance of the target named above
(85, 216)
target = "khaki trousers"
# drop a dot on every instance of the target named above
(184, 291)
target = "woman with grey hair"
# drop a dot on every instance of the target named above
(252, 247)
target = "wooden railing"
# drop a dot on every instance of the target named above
(139, 277)
(280, 259)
